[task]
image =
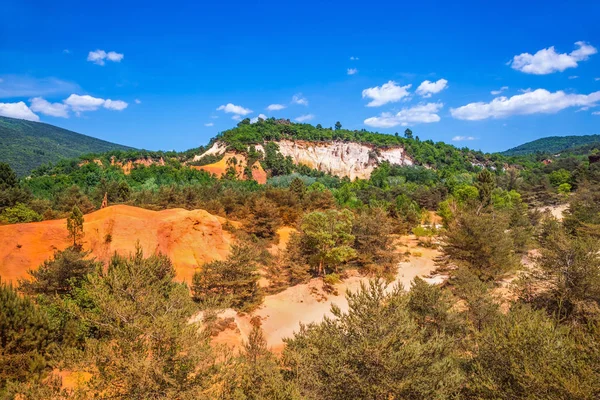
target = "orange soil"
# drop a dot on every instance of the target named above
(220, 167)
(189, 238)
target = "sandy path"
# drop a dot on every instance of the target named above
(283, 312)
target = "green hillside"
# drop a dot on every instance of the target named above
(26, 145)
(552, 145)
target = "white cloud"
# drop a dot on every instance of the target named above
(462, 138)
(427, 88)
(573, 76)
(354, 58)
(66, 51)
(117, 105)
(352, 71)
(99, 56)
(233, 109)
(17, 110)
(497, 92)
(422, 113)
(299, 99)
(39, 104)
(547, 61)
(386, 93)
(26, 86)
(275, 107)
(209, 124)
(255, 119)
(88, 103)
(83, 103)
(596, 113)
(537, 101)
(138, 101)
(597, 79)
(304, 118)
(236, 117)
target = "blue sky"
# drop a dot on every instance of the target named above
(153, 75)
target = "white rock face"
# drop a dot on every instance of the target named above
(216, 150)
(343, 159)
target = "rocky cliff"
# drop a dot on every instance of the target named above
(343, 159)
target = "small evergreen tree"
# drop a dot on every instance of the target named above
(75, 226)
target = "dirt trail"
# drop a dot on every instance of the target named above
(189, 238)
(282, 313)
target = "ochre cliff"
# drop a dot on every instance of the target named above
(189, 238)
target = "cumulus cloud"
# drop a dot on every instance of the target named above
(17, 110)
(255, 119)
(86, 102)
(387, 93)
(547, 61)
(233, 109)
(497, 92)
(209, 124)
(41, 105)
(304, 118)
(352, 71)
(428, 88)
(83, 103)
(422, 113)
(462, 138)
(99, 56)
(275, 107)
(117, 105)
(532, 102)
(299, 99)
(138, 101)
(354, 58)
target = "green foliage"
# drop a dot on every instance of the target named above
(25, 338)
(374, 351)
(479, 242)
(552, 145)
(233, 281)
(263, 219)
(18, 214)
(75, 226)
(60, 274)
(328, 237)
(145, 346)
(524, 355)
(26, 145)
(374, 245)
(8, 178)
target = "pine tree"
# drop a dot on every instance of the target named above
(75, 226)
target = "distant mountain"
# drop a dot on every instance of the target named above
(26, 145)
(552, 145)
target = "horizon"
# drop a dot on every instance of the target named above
(172, 79)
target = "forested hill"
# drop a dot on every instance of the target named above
(552, 145)
(25, 145)
(438, 155)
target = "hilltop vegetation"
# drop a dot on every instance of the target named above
(553, 145)
(25, 145)
(434, 154)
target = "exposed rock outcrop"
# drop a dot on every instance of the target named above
(343, 159)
